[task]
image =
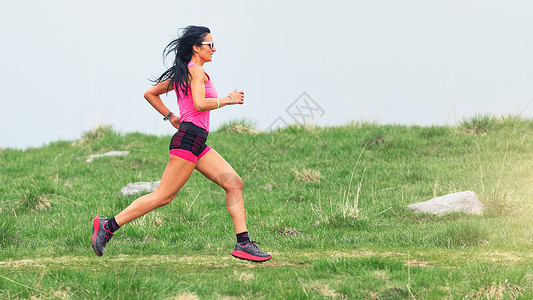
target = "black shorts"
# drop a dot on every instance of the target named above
(189, 142)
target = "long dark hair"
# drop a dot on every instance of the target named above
(181, 47)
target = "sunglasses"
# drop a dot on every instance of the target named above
(211, 44)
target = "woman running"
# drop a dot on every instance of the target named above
(197, 96)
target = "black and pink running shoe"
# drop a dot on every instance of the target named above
(100, 235)
(250, 252)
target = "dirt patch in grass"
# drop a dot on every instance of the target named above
(280, 260)
(381, 275)
(282, 264)
(361, 253)
(155, 261)
(499, 291)
(43, 204)
(507, 257)
(306, 175)
(430, 258)
(289, 231)
(43, 262)
(324, 289)
(416, 263)
(186, 296)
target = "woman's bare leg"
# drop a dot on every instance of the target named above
(176, 174)
(215, 168)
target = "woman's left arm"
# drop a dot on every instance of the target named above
(200, 102)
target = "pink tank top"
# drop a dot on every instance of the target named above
(187, 111)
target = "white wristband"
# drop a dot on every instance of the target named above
(231, 99)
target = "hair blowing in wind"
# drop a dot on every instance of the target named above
(181, 47)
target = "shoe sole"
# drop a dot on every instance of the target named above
(96, 226)
(246, 256)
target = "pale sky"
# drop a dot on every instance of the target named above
(67, 66)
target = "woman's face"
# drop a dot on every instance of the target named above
(206, 52)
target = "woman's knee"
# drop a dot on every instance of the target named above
(163, 198)
(231, 182)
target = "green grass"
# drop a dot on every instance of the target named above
(328, 203)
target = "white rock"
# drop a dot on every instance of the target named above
(139, 187)
(467, 202)
(110, 153)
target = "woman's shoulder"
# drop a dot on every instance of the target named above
(198, 72)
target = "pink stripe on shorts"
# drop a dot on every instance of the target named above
(188, 155)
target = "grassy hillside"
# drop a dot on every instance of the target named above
(328, 203)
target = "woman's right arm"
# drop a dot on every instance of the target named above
(152, 96)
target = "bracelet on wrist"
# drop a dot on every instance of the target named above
(231, 99)
(218, 103)
(168, 116)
